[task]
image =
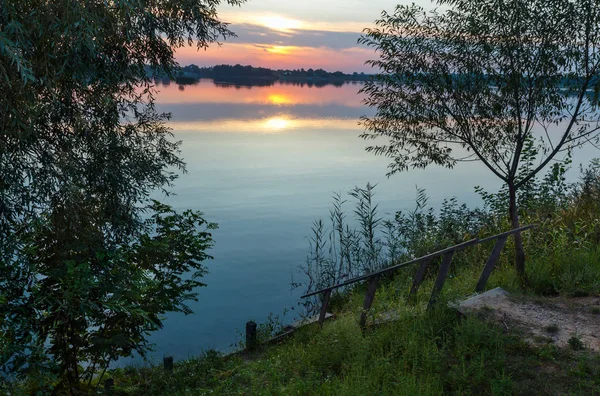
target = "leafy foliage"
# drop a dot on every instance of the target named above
(487, 81)
(483, 77)
(89, 303)
(370, 242)
(84, 276)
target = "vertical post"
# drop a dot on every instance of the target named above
(109, 385)
(418, 278)
(323, 312)
(168, 363)
(489, 266)
(441, 278)
(369, 297)
(251, 339)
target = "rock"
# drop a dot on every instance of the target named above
(490, 299)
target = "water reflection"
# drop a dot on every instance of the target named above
(277, 123)
(278, 94)
(279, 99)
(262, 163)
(207, 102)
(283, 121)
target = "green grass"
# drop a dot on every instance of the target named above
(576, 344)
(422, 353)
(427, 355)
(566, 272)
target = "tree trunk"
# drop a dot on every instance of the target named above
(514, 220)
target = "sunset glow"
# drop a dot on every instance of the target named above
(279, 99)
(277, 124)
(279, 50)
(278, 95)
(305, 34)
(282, 36)
(279, 23)
(276, 56)
(285, 24)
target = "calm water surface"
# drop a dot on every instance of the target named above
(263, 162)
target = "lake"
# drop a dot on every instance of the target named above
(263, 163)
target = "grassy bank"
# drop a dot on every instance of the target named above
(420, 353)
(423, 353)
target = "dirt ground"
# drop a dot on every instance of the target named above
(560, 320)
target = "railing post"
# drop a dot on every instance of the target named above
(168, 363)
(323, 312)
(489, 266)
(418, 278)
(109, 386)
(369, 297)
(251, 338)
(441, 278)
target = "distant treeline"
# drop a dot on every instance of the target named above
(250, 75)
(238, 75)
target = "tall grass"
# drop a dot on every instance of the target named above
(567, 216)
(346, 247)
(342, 252)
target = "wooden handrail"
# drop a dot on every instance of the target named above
(507, 233)
(424, 260)
(429, 256)
(395, 267)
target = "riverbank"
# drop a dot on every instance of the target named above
(439, 351)
(425, 351)
(420, 353)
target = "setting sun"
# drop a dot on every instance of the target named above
(279, 23)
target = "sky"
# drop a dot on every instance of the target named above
(295, 34)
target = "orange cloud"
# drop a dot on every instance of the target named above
(278, 22)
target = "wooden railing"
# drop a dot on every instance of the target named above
(444, 268)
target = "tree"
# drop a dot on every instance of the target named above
(88, 264)
(484, 80)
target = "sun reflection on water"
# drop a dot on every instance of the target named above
(279, 99)
(277, 123)
(278, 94)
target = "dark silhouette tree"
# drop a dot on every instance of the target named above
(484, 80)
(88, 264)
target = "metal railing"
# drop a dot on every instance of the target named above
(444, 268)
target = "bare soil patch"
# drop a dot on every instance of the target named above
(560, 320)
